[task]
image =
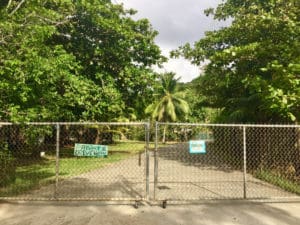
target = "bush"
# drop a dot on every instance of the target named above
(7, 166)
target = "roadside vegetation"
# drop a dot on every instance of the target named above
(277, 179)
(33, 173)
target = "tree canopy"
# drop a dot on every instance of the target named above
(74, 60)
(253, 65)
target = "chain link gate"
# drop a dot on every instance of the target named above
(24, 167)
(74, 161)
(223, 161)
(110, 161)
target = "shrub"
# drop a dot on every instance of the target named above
(7, 166)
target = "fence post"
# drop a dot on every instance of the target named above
(147, 160)
(57, 161)
(245, 162)
(155, 161)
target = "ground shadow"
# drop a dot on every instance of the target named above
(212, 159)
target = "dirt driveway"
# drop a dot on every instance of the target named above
(178, 178)
(181, 176)
(87, 213)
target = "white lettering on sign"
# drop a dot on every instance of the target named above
(197, 147)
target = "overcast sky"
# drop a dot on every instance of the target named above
(178, 22)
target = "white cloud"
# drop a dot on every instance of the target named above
(182, 68)
(178, 22)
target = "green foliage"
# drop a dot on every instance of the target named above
(68, 60)
(42, 172)
(252, 71)
(199, 110)
(278, 180)
(169, 105)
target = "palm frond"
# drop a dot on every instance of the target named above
(170, 106)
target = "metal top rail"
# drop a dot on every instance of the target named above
(77, 123)
(232, 125)
(158, 123)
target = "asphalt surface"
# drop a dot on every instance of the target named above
(93, 213)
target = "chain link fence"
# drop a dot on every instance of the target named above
(116, 161)
(23, 166)
(74, 161)
(202, 161)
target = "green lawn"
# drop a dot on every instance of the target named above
(279, 181)
(37, 173)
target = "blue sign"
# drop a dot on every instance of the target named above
(197, 147)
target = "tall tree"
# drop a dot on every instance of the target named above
(199, 111)
(253, 70)
(74, 60)
(168, 106)
(113, 50)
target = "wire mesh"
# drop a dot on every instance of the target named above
(118, 175)
(273, 160)
(24, 166)
(75, 161)
(238, 161)
(215, 174)
(109, 161)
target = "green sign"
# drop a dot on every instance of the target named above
(91, 150)
(197, 147)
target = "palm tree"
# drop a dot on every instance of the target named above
(169, 105)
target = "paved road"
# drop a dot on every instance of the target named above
(87, 213)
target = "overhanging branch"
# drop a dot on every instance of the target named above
(18, 6)
(8, 4)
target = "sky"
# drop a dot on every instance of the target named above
(178, 22)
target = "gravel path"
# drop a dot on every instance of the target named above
(181, 176)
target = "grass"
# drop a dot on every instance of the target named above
(279, 181)
(42, 172)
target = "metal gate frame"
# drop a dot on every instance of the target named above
(244, 128)
(57, 125)
(147, 195)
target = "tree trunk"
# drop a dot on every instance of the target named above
(164, 134)
(297, 158)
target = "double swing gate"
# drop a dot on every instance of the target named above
(131, 162)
